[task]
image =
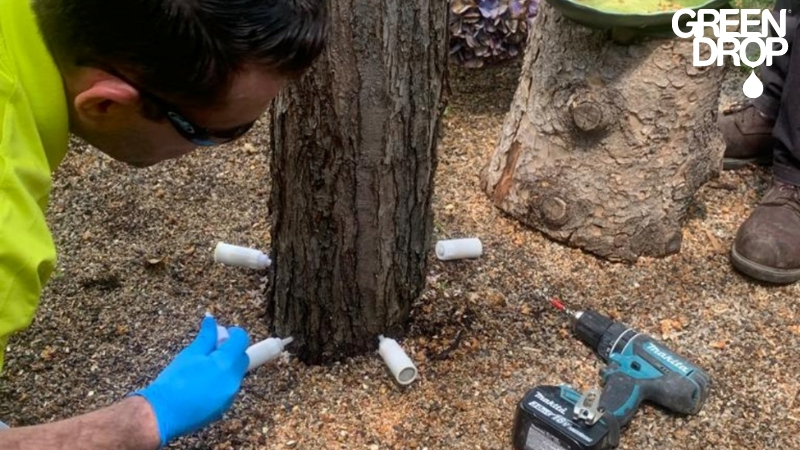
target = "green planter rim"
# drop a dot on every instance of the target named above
(599, 18)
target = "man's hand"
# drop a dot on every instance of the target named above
(200, 384)
(195, 390)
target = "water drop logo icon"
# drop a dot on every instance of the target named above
(753, 87)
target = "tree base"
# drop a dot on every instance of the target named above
(605, 144)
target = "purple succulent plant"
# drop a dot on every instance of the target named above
(516, 8)
(492, 9)
(488, 31)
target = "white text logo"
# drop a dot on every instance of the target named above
(551, 403)
(680, 365)
(729, 42)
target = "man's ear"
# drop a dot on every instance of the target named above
(102, 96)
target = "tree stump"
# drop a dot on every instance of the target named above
(605, 144)
(353, 158)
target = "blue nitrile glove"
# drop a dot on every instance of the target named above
(200, 384)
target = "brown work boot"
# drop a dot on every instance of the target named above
(767, 245)
(748, 136)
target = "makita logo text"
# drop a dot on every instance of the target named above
(680, 365)
(551, 403)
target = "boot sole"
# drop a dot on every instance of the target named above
(761, 272)
(736, 164)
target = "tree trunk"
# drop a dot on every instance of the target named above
(353, 147)
(605, 144)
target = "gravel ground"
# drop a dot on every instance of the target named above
(136, 273)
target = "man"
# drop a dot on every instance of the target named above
(767, 245)
(143, 81)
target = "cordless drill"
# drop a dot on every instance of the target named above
(639, 368)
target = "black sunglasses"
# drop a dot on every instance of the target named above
(196, 134)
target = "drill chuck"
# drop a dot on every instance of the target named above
(591, 326)
(602, 334)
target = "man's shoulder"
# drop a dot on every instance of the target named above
(31, 85)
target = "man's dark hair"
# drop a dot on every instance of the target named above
(186, 49)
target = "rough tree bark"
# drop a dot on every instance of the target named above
(353, 147)
(605, 144)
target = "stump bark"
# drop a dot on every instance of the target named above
(605, 144)
(353, 158)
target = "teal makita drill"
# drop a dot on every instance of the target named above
(639, 368)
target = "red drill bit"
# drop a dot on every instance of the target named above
(556, 302)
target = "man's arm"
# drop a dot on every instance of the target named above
(193, 391)
(127, 425)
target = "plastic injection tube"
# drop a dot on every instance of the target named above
(222, 332)
(265, 351)
(234, 255)
(259, 353)
(459, 249)
(397, 360)
(222, 335)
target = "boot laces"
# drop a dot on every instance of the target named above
(784, 195)
(736, 107)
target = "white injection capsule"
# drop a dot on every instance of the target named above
(222, 332)
(266, 350)
(222, 335)
(397, 360)
(234, 255)
(259, 353)
(459, 249)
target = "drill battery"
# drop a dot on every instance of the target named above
(544, 421)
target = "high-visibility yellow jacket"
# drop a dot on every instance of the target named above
(33, 141)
